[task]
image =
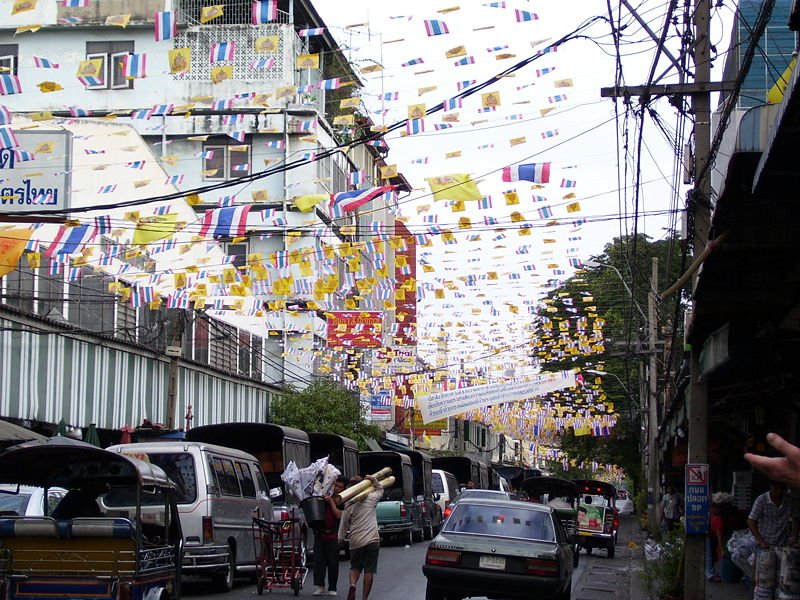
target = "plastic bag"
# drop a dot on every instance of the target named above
(314, 480)
(743, 549)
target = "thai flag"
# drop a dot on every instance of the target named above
(435, 27)
(545, 71)
(412, 62)
(263, 63)
(205, 154)
(451, 104)
(9, 84)
(222, 51)
(232, 119)
(243, 167)
(21, 155)
(550, 133)
(310, 32)
(134, 66)
(275, 144)
(557, 98)
(575, 262)
(7, 138)
(420, 161)
(390, 96)
(415, 126)
(545, 212)
(226, 222)
(440, 126)
(568, 183)
(534, 172)
(225, 104)
(485, 203)
(349, 201)
(75, 3)
(239, 136)
(70, 240)
(467, 60)
(161, 110)
(356, 178)
(264, 11)
(244, 96)
(495, 4)
(497, 48)
(43, 63)
(103, 224)
(5, 115)
(141, 114)
(330, 84)
(166, 25)
(76, 111)
(524, 15)
(462, 85)
(162, 210)
(107, 189)
(226, 201)
(91, 151)
(174, 180)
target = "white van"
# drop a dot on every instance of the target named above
(446, 485)
(219, 491)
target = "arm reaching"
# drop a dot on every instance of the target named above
(785, 469)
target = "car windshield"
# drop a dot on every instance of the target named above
(505, 521)
(493, 494)
(14, 503)
(438, 486)
(179, 467)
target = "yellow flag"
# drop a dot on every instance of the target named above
(307, 202)
(417, 111)
(775, 94)
(456, 52)
(388, 171)
(517, 141)
(455, 186)
(91, 68)
(426, 89)
(118, 20)
(511, 198)
(372, 69)
(220, 74)
(268, 43)
(22, 6)
(49, 86)
(454, 154)
(12, 245)
(180, 60)
(286, 91)
(308, 61)
(154, 228)
(490, 100)
(25, 28)
(209, 13)
(573, 207)
(344, 120)
(354, 102)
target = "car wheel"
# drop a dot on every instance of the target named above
(419, 534)
(427, 532)
(432, 593)
(410, 537)
(611, 550)
(224, 582)
(576, 557)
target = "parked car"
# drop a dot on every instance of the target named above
(444, 483)
(598, 518)
(474, 493)
(503, 549)
(218, 491)
(28, 501)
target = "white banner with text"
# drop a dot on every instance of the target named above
(454, 402)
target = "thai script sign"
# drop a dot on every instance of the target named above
(36, 175)
(355, 329)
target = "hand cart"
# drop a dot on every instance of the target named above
(281, 561)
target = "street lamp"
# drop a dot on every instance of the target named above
(594, 263)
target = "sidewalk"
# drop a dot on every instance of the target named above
(727, 591)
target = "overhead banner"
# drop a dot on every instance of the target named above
(36, 174)
(454, 402)
(355, 329)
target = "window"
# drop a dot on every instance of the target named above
(90, 305)
(223, 160)
(112, 55)
(504, 521)
(19, 287)
(226, 476)
(200, 339)
(8, 59)
(246, 480)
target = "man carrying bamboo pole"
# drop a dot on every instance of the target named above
(361, 520)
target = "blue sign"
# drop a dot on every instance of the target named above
(697, 499)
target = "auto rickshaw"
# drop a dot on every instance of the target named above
(598, 518)
(115, 535)
(562, 496)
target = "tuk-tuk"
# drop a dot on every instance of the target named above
(399, 512)
(463, 467)
(423, 492)
(562, 496)
(115, 535)
(515, 475)
(341, 452)
(598, 519)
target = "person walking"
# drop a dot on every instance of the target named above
(671, 504)
(361, 521)
(326, 545)
(770, 517)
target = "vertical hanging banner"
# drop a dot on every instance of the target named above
(454, 402)
(355, 329)
(381, 406)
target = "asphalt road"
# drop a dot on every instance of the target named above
(400, 575)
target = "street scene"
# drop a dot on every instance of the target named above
(430, 300)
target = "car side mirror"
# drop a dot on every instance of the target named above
(437, 497)
(275, 492)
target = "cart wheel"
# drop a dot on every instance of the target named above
(296, 586)
(260, 585)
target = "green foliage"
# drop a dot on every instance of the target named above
(324, 407)
(663, 576)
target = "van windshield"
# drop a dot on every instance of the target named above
(438, 486)
(179, 467)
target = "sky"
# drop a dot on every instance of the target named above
(491, 276)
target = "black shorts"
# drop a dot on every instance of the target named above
(365, 558)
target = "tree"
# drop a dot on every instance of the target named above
(324, 407)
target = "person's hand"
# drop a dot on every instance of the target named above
(762, 543)
(785, 469)
(372, 480)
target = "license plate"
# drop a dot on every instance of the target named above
(498, 563)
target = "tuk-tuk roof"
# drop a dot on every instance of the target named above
(550, 485)
(330, 439)
(593, 486)
(222, 434)
(386, 455)
(64, 462)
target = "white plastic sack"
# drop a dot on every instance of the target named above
(743, 549)
(314, 480)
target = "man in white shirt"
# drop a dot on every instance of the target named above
(770, 517)
(361, 520)
(671, 508)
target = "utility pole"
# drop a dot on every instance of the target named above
(653, 477)
(174, 351)
(700, 92)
